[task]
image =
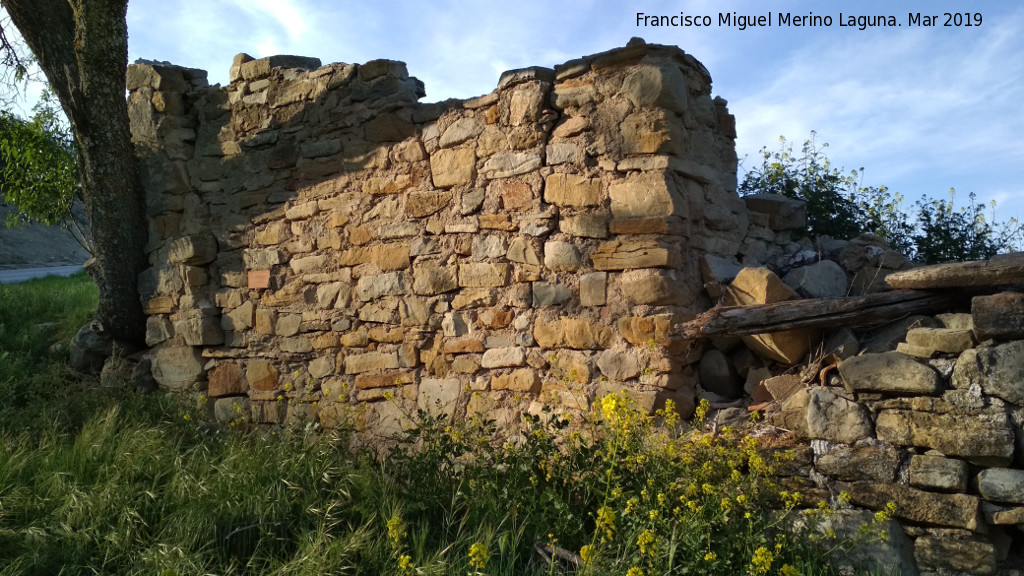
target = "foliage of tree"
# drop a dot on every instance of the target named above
(37, 164)
(82, 48)
(840, 207)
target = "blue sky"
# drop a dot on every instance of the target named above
(923, 109)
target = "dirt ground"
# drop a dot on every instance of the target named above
(37, 246)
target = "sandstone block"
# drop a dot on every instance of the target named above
(439, 396)
(562, 256)
(645, 331)
(484, 275)
(521, 251)
(868, 461)
(549, 294)
(504, 358)
(431, 278)
(645, 195)
(194, 250)
(960, 555)
(387, 184)
(423, 204)
(997, 369)
(619, 365)
(308, 264)
(231, 409)
(661, 86)
(824, 279)
(955, 510)
(288, 324)
(985, 439)
(521, 380)
(593, 289)
(999, 316)
(388, 284)
(942, 340)
(488, 246)
(584, 225)
(570, 366)
(177, 367)
(655, 288)
(388, 256)
(158, 329)
(571, 190)
(295, 345)
(889, 372)
(508, 164)
(462, 130)
(783, 213)
(938, 473)
(384, 380)
(240, 318)
(204, 331)
(453, 167)
(577, 333)
(466, 364)
(836, 419)
(631, 253)
(261, 375)
(225, 380)
(370, 361)
(1002, 485)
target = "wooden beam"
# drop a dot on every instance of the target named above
(854, 311)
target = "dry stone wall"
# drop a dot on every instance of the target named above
(319, 238)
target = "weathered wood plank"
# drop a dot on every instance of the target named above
(851, 311)
(999, 270)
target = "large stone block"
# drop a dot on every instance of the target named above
(645, 195)
(999, 316)
(572, 190)
(783, 213)
(632, 253)
(577, 333)
(439, 396)
(521, 380)
(484, 275)
(999, 370)
(938, 473)
(177, 367)
(261, 375)
(453, 167)
(889, 372)
(972, 555)
(661, 86)
(985, 438)
(836, 419)
(431, 278)
(867, 460)
(824, 279)
(955, 510)
(388, 284)
(226, 380)
(1002, 485)
(508, 164)
(562, 256)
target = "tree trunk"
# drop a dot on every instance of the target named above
(82, 47)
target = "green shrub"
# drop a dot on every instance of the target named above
(840, 207)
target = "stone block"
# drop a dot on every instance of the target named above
(890, 373)
(240, 318)
(225, 380)
(204, 331)
(562, 256)
(158, 329)
(261, 375)
(194, 250)
(999, 316)
(384, 380)
(655, 288)
(370, 362)
(941, 340)
(576, 333)
(997, 369)
(423, 204)
(431, 278)
(619, 364)
(824, 279)
(510, 357)
(177, 367)
(938, 473)
(231, 409)
(572, 190)
(508, 164)
(439, 396)
(593, 289)
(645, 331)
(584, 225)
(453, 167)
(295, 345)
(1002, 485)
(657, 86)
(632, 253)
(835, 419)
(864, 461)
(462, 130)
(971, 555)
(484, 275)
(986, 439)
(521, 380)
(645, 195)
(753, 286)
(954, 510)
(380, 285)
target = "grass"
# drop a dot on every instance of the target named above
(101, 481)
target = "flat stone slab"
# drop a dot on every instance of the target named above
(890, 373)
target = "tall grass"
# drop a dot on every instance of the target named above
(114, 482)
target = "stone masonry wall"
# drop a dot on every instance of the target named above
(319, 238)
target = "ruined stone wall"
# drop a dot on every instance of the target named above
(319, 238)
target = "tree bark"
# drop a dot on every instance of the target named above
(1001, 270)
(851, 311)
(82, 47)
